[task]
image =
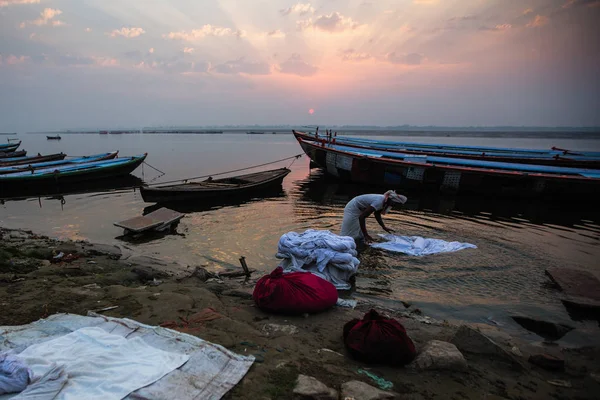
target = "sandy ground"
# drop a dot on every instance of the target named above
(145, 289)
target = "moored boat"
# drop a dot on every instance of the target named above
(255, 133)
(69, 174)
(8, 147)
(447, 174)
(247, 184)
(41, 165)
(5, 162)
(57, 137)
(12, 154)
(555, 157)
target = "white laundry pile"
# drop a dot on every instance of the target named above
(325, 254)
(418, 246)
(100, 357)
(14, 373)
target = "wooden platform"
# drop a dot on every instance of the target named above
(580, 287)
(156, 220)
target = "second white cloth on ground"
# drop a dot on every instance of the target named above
(418, 246)
(325, 254)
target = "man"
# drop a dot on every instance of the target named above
(359, 208)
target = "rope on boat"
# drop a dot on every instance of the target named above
(297, 156)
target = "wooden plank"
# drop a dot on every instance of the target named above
(138, 224)
(576, 283)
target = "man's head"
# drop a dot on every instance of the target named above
(390, 198)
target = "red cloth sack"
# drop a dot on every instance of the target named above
(376, 339)
(294, 293)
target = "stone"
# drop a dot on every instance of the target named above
(279, 330)
(438, 355)
(358, 390)
(309, 388)
(145, 273)
(241, 293)
(470, 340)
(548, 330)
(548, 362)
(111, 251)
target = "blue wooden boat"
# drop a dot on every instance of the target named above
(41, 165)
(9, 146)
(66, 175)
(395, 170)
(557, 157)
(5, 162)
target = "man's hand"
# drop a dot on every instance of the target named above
(389, 230)
(368, 239)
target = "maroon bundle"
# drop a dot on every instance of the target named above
(294, 293)
(376, 339)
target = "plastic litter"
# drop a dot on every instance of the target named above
(382, 383)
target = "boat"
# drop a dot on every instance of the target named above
(57, 137)
(9, 146)
(226, 188)
(395, 170)
(69, 174)
(12, 154)
(41, 165)
(160, 220)
(5, 162)
(255, 133)
(103, 132)
(555, 157)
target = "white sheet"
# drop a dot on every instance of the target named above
(210, 372)
(418, 246)
(325, 254)
(100, 365)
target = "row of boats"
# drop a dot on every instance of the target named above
(457, 169)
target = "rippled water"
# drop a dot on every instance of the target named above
(516, 240)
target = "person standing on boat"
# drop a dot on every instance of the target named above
(359, 208)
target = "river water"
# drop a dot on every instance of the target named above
(516, 240)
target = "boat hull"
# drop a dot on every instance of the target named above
(33, 166)
(9, 147)
(12, 154)
(7, 162)
(11, 185)
(182, 193)
(557, 160)
(401, 174)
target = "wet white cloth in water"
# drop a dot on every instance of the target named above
(325, 254)
(100, 365)
(418, 246)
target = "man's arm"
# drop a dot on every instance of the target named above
(362, 222)
(380, 221)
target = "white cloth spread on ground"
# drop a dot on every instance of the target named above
(100, 365)
(350, 224)
(322, 253)
(210, 372)
(418, 246)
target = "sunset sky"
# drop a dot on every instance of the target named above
(132, 63)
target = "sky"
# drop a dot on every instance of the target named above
(134, 63)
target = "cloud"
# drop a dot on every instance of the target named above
(127, 32)
(6, 3)
(405, 59)
(527, 11)
(298, 8)
(13, 60)
(151, 50)
(88, 30)
(275, 34)
(296, 66)
(240, 66)
(206, 30)
(351, 55)
(46, 18)
(538, 21)
(589, 3)
(188, 50)
(425, 1)
(497, 28)
(334, 22)
(105, 61)
(70, 60)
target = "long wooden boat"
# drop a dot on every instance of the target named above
(5, 162)
(255, 133)
(12, 154)
(225, 188)
(70, 174)
(449, 175)
(554, 157)
(57, 137)
(6, 147)
(36, 166)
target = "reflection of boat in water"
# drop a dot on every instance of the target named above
(89, 187)
(320, 190)
(219, 189)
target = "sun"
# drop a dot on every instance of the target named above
(311, 111)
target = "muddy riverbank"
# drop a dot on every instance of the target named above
(35, 283)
